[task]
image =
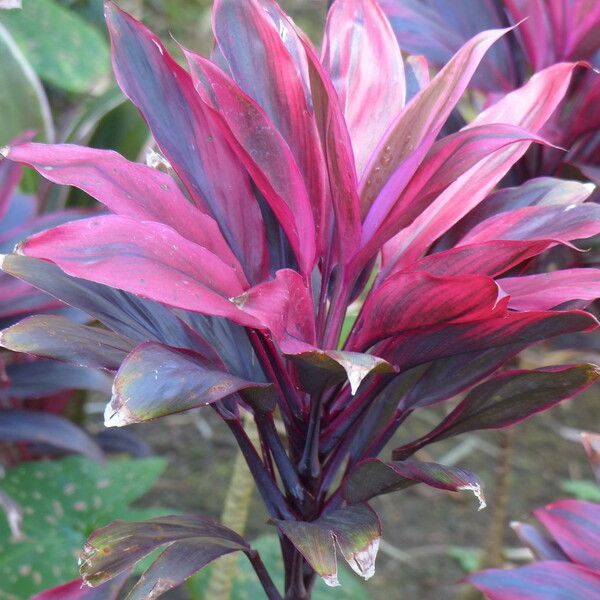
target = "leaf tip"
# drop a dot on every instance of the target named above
(4, 151)
(116, 417)
(363, 562)
(331, 580)
(477, 491)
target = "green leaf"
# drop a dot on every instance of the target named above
(246, 585)
(23, 102)
(582, 489)
(64, 49)
(63, 501)
(467, 558)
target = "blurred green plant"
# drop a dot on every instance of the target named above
(582, 489)
(62, 502)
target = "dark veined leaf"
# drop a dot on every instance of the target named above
(318, 368)
(575, 526)
(541, 581)
(156, 380)
(193, 542)
(354, 531)
(62, 501)
(46, 428)
(62, 339)
(372, 478)
(509, 398)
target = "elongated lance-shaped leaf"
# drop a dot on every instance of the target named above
(540, 581)
(130, 316)
(126, 188)
(509, 398)
(146, 258)
(156, 380)
(319, 368)
(575, 526)
(372, 478)
(46, 428)
(187, 135)
(547, 290)
(267, 61)
(120, 545)
(413, 132)
(358, 36)
(337, 147)
(10, 175)
(62, 339)
(418, 300)
(263, 152)
(354, 531)
(558, 223)
(415, 348)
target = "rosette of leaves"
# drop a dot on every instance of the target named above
(291, 184)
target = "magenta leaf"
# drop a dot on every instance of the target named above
(187, 135)
(541, 581)
(263, 151)
(412, 301)
(118, 546)
(77, 590)
(575, 526)
(373, 478)
(156, 380)
(46, 428)
(541, 545)
(548, 290)
(147, 258)
(509, 398)
(354, 531)
(62, 339)
(126, 188)
(358, 36)
(395, 161)
(267, 61)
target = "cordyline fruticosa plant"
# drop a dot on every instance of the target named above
(568, 558)
(227, 274)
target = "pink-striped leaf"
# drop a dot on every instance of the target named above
(454, 179)
(543, 547)
(77, 590)
(337, 148)
(187, 135)
(373, 478)
(266, 59)
(558, 223)
(412, 133)
(126, 188)
(487, 258)
(575, 526)
(285, 307)
(547, 290)
(507, 399)
(415, 348)
(409, 301)
(264, 153)
(540, 581)
(354, 531)
(358, 36)
(156, 380)
(145, 258)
